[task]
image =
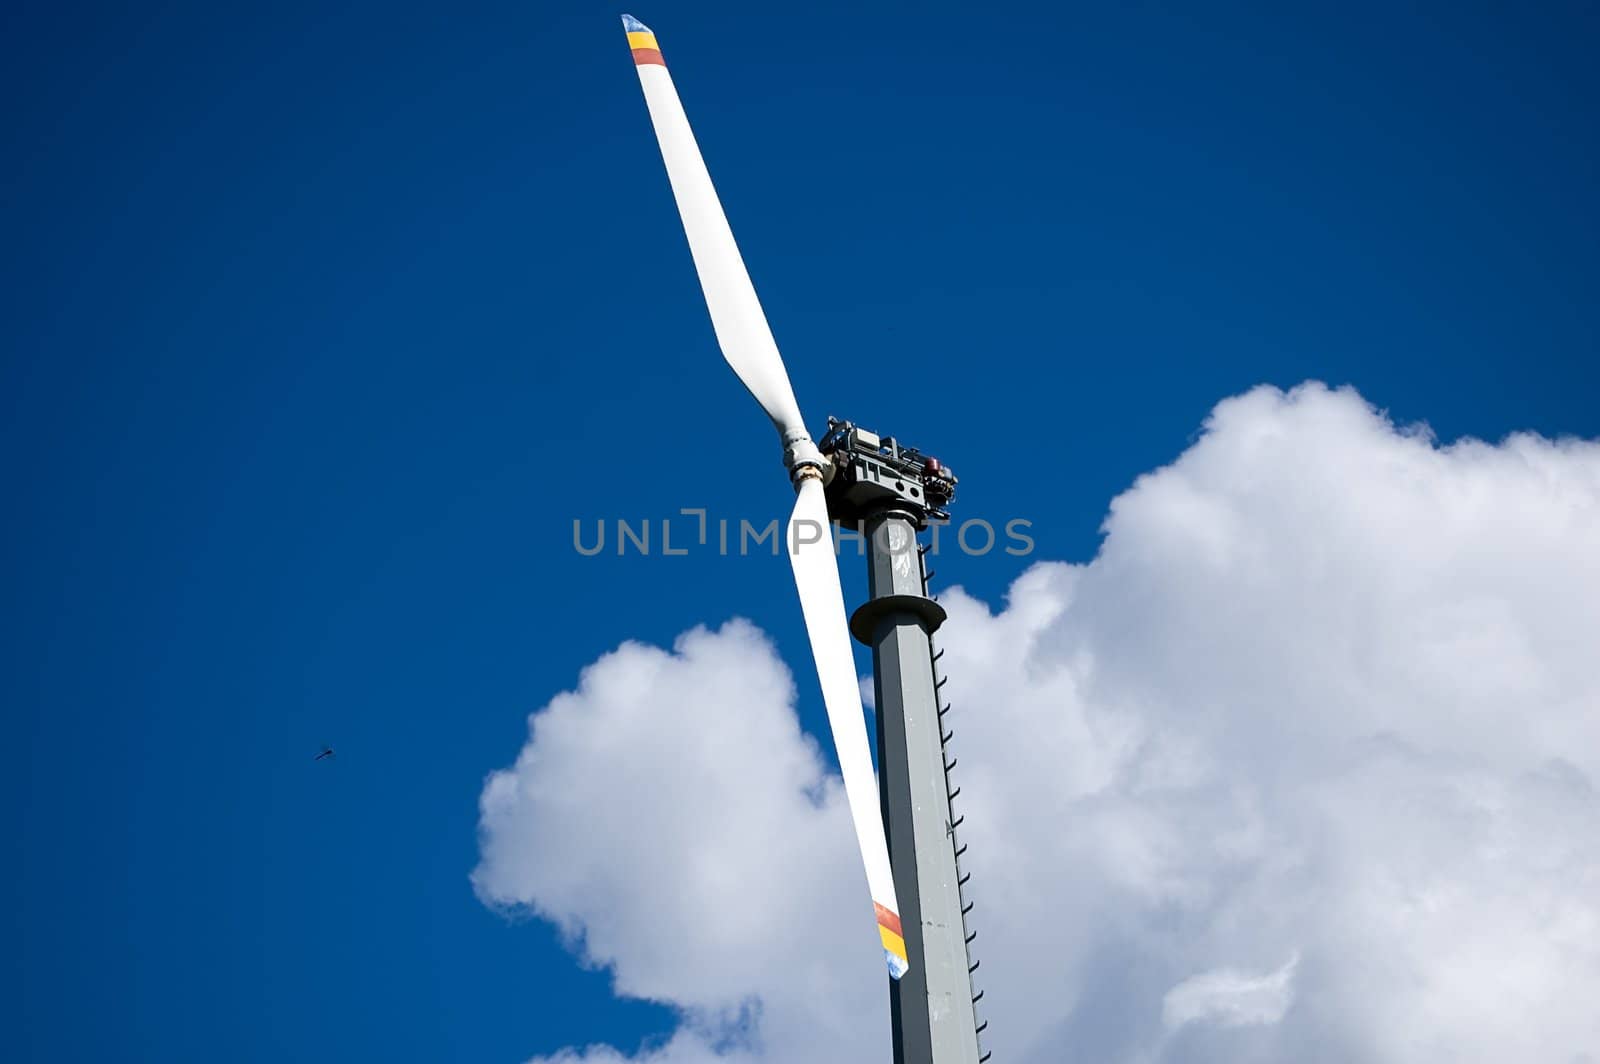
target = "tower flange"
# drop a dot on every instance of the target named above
(865, 620)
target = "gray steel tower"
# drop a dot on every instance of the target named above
(889, 494)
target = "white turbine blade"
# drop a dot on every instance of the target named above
(736, 313)
(816, 574)
(748, 346)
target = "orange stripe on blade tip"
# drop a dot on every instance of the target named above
(642, 56)
(888, 919)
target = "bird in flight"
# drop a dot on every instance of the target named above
(327, 751)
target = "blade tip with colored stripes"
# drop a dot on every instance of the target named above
(894, 942)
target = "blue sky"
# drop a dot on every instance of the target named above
(323, 327)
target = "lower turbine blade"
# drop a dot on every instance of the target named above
(816, 574)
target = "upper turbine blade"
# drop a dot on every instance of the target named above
(736, 314)
(816, 574)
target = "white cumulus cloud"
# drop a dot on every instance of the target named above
(1329, 692)
(1230, 997)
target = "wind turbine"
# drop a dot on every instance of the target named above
(889, 492)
